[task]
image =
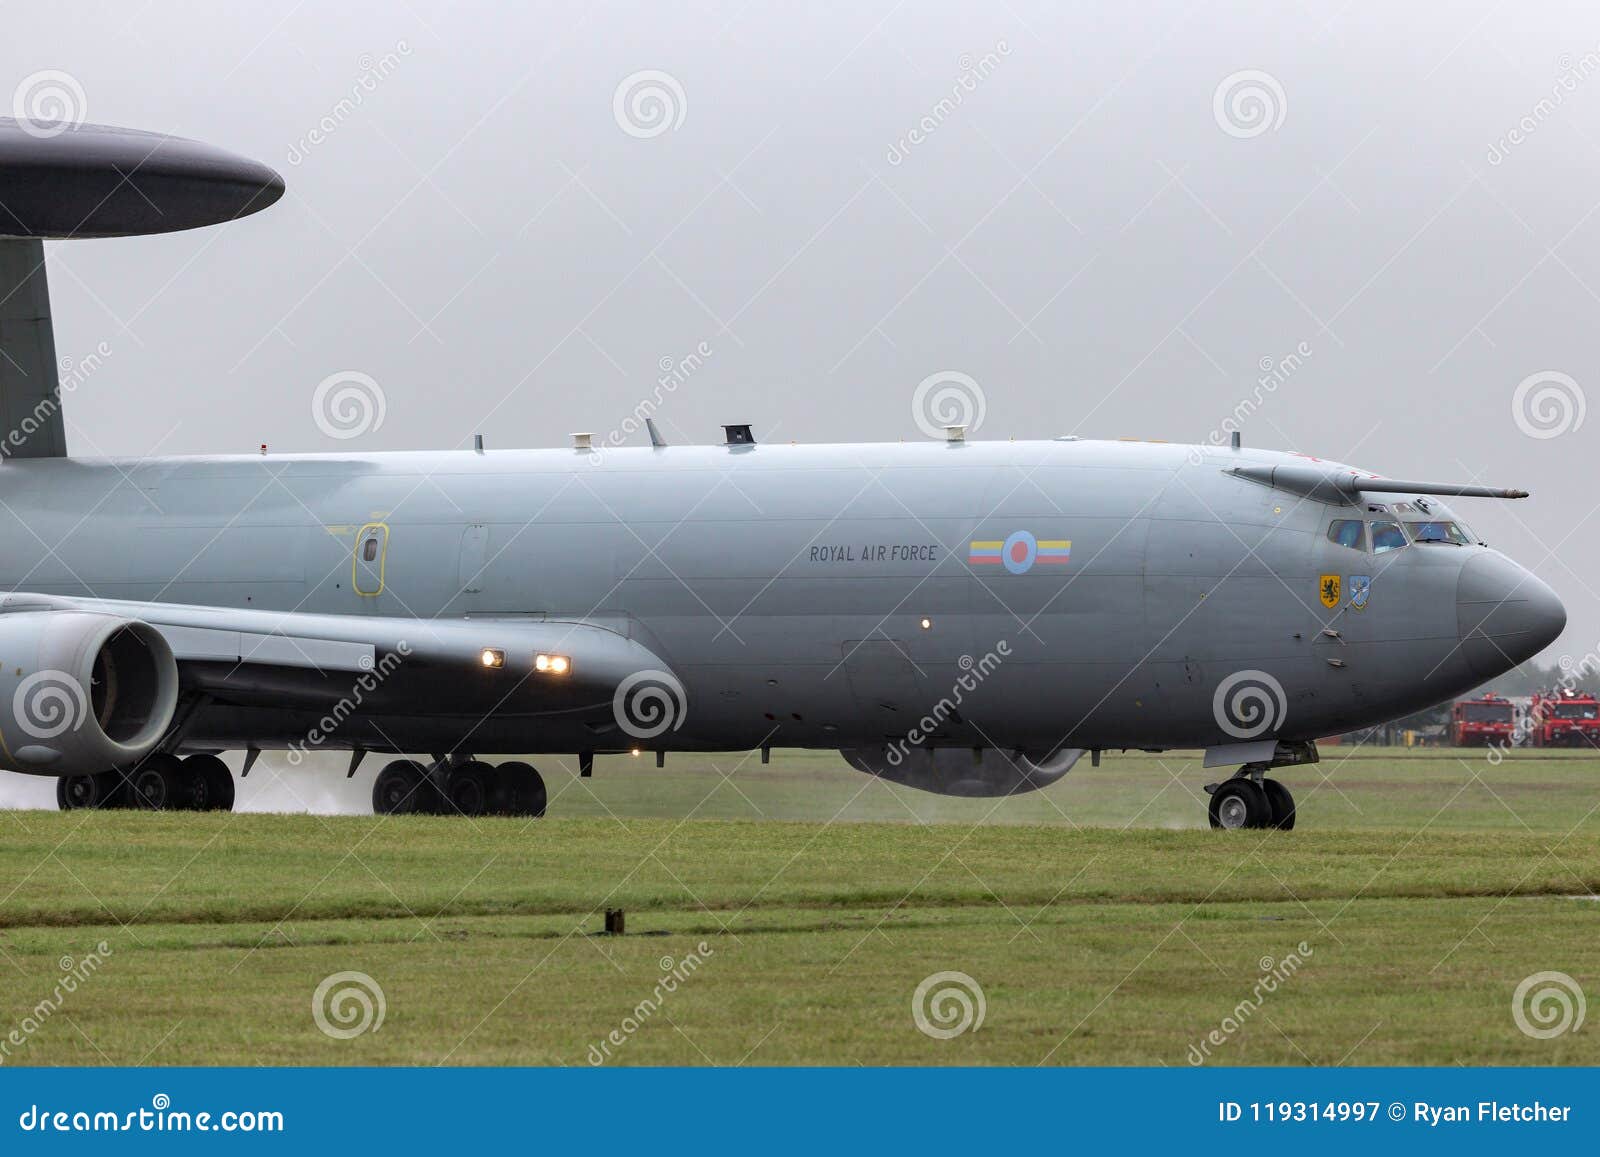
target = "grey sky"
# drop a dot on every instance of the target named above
(1078, 233)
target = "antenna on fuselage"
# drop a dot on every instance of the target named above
(656, 439)
(60, 180)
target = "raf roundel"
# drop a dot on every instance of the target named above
(1020, 551)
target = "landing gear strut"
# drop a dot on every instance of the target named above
(469, 788)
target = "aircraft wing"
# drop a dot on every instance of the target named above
(112, 658)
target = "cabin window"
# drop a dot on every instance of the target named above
(1348, 532)
(1387, 536)
(369, 549)
(1438, 532)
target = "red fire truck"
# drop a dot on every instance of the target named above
(1482, 722)
(1564, 718)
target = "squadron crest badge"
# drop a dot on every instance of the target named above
(1328, 588)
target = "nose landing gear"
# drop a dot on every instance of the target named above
(1250, 799)
(1241, 802)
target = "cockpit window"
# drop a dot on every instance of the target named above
(1438, 532)
(1387, 536)
(1348, 532)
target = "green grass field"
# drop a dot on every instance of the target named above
(1103, 923)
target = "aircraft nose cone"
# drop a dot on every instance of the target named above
(1504, 615)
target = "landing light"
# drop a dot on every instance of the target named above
(552, 664)
(927, 624)
(492, 657)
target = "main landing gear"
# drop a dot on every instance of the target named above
(469, 788)
(159, 782)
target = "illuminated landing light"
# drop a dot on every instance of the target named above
(492, 657)
(552, 664)
(927, 624)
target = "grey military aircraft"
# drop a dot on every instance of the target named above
(958, 616)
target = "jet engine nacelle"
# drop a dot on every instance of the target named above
(961, 770)
(82, 693)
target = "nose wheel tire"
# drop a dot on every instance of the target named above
(1281, 804)
(1238, 804)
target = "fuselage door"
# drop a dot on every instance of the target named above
(474, 556)
(370, 560)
